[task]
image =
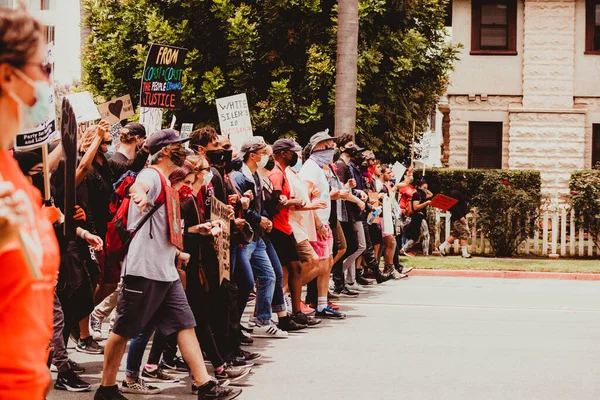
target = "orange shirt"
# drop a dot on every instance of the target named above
(26, 305)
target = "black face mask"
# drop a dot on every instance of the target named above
(178, 157)
(351, 151)
(215, 156)
(270, 164)
(234, 165)
(294, 159)
(227, 155)
(38, 182)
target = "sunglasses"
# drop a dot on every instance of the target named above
(197, 170)
(107, 142)
(45, 68)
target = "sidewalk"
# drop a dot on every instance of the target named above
(575, 276)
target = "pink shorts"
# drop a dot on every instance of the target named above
(324, 247)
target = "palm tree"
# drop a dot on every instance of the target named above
(346, 67)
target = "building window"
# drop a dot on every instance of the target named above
(592, 26)
(448, 19)
(44, 4)
(485, 145)
(494, 27)
(49, 32)
(596, 145)
(7, 3)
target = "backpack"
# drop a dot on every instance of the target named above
(118, 237)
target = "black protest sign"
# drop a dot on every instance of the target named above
(162, 79)
(68, 129)
(36, 137)
(220, 212)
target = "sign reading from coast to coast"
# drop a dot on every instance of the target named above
(220, 212)
(234, 118)
(116, 110)
(162, 79)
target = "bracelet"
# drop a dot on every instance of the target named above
(83, 233)
(321, 227)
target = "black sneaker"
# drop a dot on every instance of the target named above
(245, 339)
(89, 346)
(329, 312)
(240, 362)
(157, 375)
(71, 382)
(109, 393)
(177, 364)
(212, 390)
(232, 374)
(222, 383)
(289, 325)
(247, 355)
(78, 369)
(364, 281)
(345, 292)
(304, 319)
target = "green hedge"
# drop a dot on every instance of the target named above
(507, 201)
(585, 199)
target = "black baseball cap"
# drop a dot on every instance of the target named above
(136, 129)
(284, 145)
(164, 138)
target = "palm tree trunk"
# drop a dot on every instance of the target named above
(346, 67)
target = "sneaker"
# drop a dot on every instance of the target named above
(333, 306)
(245, 329)
(269, 331)
(332, 295)
(466, 255)
(289, 325)
(53, 368)
(71, 382)
(287, 298)
(247, 355)
(78, 369)
(329, 312)
(178, 364)
(406, 253)
(240, 363)
(306, 309)
(222, 383)
(304, 319)
(245, 339)
(406, 270)
(346, 292)
(95, 328)
(252, 322)
(361, 280)
(157, 375)
(232, 374)
(398, 275)
(442, 251)
(109, 393)
(358, 288)
(89, 346)
(212, 391)
(138, 387)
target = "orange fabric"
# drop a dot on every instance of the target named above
(26, 304)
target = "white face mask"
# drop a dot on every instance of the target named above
(263, 161)
(207, 178)
(32, 116)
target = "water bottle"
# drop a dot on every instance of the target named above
(374, 215)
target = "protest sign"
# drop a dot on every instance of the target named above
(234, 118)
(151, 118)
(220, 212)
(116, 110)
(443, 202)
(398, 170)
(162, 79)
(83, 106)
(186, 129)
(174, 217)
(68, 129)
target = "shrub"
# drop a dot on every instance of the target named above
(585, 200)
(507, 202)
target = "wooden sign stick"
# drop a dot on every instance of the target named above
(46, 172)
(412, 150)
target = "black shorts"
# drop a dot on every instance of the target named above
(375, 233)
(143, 302)
(285, 246)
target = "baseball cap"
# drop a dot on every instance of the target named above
(136, 129)
(285, 145)
(252, 145)
(318, 138)
(164, 138)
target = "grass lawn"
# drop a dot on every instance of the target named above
(504, 264)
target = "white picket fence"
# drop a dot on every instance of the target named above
(557, 234)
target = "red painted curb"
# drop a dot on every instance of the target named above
(506, 274)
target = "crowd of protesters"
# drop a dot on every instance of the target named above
(328, 217)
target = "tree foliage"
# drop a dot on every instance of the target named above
(282, 54)
(585, 200)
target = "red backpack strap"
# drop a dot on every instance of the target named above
(162, 197)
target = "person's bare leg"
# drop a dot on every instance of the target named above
(310, 270)
(285, 280)
(113, 353)
(388, 252)
(323, 278)
(295, 283)
(192, 354)
(84, 328)
(340, 253)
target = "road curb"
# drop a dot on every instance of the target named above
(567, 276)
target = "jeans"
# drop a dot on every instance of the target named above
(349, 269)
(244, 278)
(60, 358)
(137, 346)
(278, 303)
(256, 254)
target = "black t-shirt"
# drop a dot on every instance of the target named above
(119, 157)
(460, 209)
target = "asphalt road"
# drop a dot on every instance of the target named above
(432, 338)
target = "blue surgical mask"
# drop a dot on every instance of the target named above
(296, 167)
(32, 116)
(323, 157)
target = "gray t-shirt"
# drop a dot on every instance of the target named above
(151, 254)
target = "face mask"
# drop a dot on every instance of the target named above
(185, 192)
(351, 151)
(34, 115)
(296, 167)
(215, 156)
(234, 165)
(178, 156)
(263, 161)
(322, 157)
(270, 164)
(207, 178)
(294, 160)
(227, 154)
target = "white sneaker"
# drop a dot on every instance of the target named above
(252, 322)
(269, 331)
(399, 275)
(358, 288)
(95, 327)
(287, 298)
(331, 285)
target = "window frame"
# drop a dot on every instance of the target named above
(595, 133)
(511, 49)
(590, 24)
(472, 124)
